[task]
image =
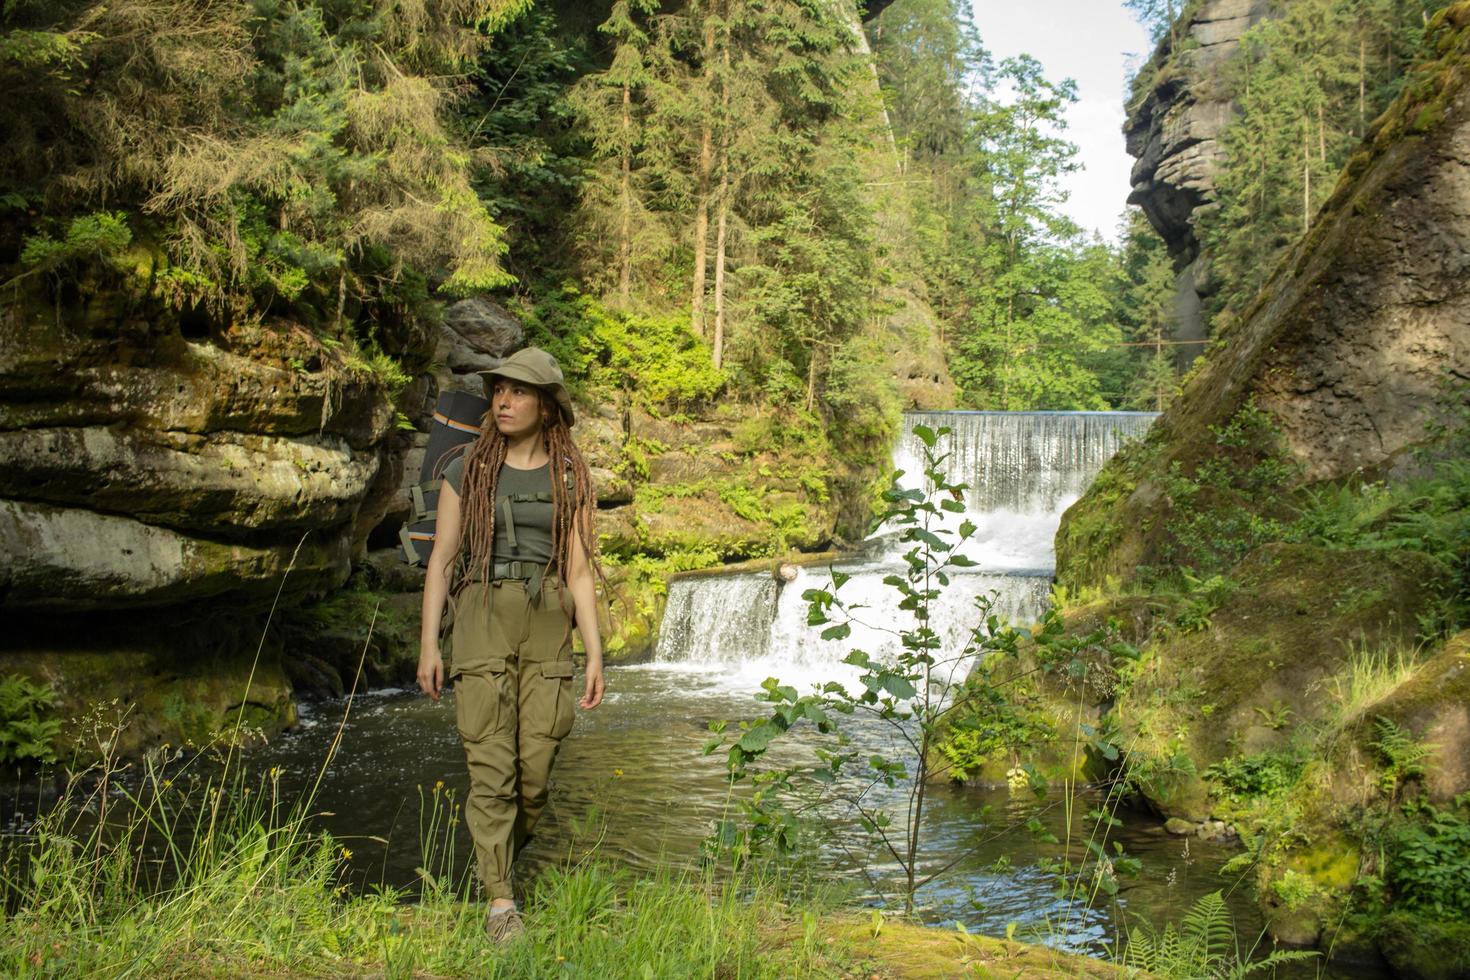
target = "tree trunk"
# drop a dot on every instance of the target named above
(625, 237)
(701, 203)
(701, 231)
(721, 227)
(722, 222)
(1362, 86)
(1306, 176)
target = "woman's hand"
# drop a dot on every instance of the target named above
(431, 673)
(592, 693)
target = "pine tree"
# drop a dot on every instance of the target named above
(612, 108)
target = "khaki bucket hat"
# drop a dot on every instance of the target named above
(535, 366)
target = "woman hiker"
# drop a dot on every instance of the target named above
(514, 555)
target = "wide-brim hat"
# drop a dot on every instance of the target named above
(533, 366)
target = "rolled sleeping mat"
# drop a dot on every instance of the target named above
(456, 422)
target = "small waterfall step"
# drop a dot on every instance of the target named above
(1023, 469)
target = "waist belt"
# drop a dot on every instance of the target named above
(533, 573)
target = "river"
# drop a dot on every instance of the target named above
(633, 786)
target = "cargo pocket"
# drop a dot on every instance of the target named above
(481, 701)
(559, 703)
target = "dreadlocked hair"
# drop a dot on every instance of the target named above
(572, 500)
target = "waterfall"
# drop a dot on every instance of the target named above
(1023, 469)
(722, 617)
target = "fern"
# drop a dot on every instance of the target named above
(1402, 754)
(1203, 946)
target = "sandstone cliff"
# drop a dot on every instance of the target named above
(1173, 127)
(1346, 346)
(1354, 353)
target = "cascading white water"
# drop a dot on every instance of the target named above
(728, 620)
(1023, 469)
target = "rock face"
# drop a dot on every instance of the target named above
(153, 471)
(1173, 132)
(1348, 343)
(160, 469)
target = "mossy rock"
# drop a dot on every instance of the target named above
(192, 685)
(1302, 891)
(1060, 699)
(356, 637)
(629, 619)
(902, 949)
(1263, 665)
(1433, 704)
(1425, 949)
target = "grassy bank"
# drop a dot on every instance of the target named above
(188, 868)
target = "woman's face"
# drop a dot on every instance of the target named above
(517, 408)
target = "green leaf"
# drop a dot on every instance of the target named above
(899, 686)
(758, 737)
(841, 631)
(926, 435)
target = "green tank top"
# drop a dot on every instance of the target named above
(523, 511)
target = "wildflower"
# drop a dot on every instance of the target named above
(346, 854)
(438, 785)
(617, 772)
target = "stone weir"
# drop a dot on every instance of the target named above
(1022, 468)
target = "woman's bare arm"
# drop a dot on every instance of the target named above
(583, 586)
(436, 590)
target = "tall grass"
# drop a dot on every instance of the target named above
(188, 874)
(1370, 673)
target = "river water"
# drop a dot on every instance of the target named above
(633, 785)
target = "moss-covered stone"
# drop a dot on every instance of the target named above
(1420, 948)
(1249, 675)
(194, 686)
(1433, 705)
(901, 949)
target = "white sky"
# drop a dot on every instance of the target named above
(1095, 43)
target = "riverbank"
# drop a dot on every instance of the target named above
(191, 881)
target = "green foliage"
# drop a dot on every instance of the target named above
(90, 236)
(649, 360)
(1202, 944)
(1037, 313)
(1231, 500)
(1265, 775)
(1401, 754)
(1429, 513)
(1429, 860)
(264, 147)
(27, 730)
(1161, 17)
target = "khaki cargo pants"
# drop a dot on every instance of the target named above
(512, 669)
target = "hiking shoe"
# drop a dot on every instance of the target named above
(503, 927)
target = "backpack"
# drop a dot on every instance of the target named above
(456, 424)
